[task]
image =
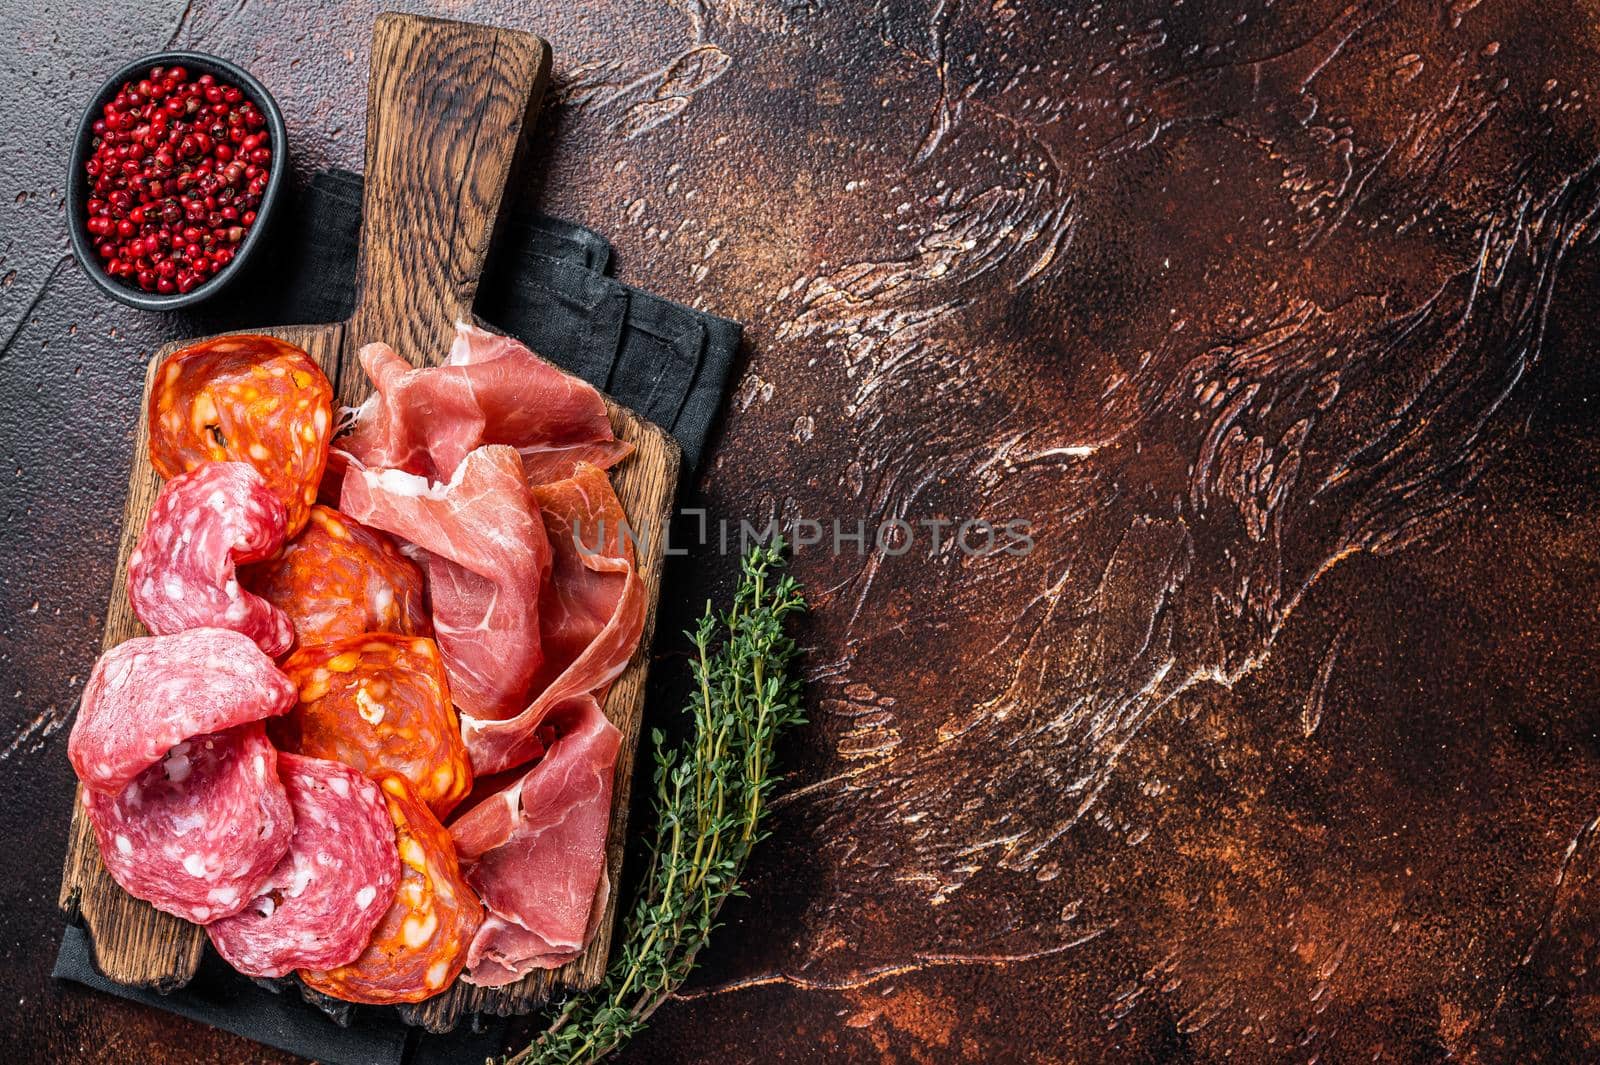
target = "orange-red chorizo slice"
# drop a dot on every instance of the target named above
(245, 398)
(380, 703)
(339, 578)
(421, 943)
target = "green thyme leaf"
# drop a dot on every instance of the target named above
(711, 793)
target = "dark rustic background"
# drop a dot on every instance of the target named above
(1275, 320)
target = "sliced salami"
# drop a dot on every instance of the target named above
(421, 944)
(182, 575)
(379, 702)
(149, 694)
(339, 578)
(245, 398)
(196, 834)
(318, 907)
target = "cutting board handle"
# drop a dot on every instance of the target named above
(446, 102)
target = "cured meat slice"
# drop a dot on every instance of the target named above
(339, 578)
(490, 390)
(379, 702)
(536, 852)
(196, 833)
(487, 557)
(591, 614)
(319, 905)
(149, 694)
(553, 426)
(182, 575)
(421, 944)
(245, 398)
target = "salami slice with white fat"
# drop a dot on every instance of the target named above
(421, 944)
(147, 695)
(318, 908)
(196, 834)
(181, 574)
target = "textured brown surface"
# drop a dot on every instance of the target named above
(1275, 320)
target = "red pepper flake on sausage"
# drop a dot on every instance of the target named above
(379, 702)
(421, 944)
(339, 578)
(245, 398)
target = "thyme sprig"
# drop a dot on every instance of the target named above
(711, 793)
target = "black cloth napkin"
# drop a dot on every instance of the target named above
(547, 283)
(219, 996)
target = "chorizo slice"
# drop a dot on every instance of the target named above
(319, 905)
(245, 398)
(196, 834)
(339, 578)
(421, 944)
(379, 702)
(182, 573)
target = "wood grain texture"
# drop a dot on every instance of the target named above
(133, 942)
(447, 102)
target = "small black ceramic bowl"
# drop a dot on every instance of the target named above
(83, 246)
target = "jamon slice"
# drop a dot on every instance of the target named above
(591, 613)
(181, 574)
(147, 695)
(339, 578)
(536, 852)
(196, 834)
(487, 558)
(491, 390)
(319, 905)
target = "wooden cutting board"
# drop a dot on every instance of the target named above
(446, 103)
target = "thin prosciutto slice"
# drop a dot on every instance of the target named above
(536, 852)
(490, 390)
(591, 613)
(487, 558)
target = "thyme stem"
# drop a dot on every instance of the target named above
(711, 794)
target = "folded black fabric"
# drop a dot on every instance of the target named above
(547, 284)
(660, 359)
(221, 997)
